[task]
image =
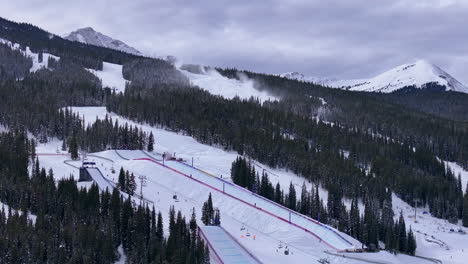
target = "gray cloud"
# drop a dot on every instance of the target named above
(340, 38)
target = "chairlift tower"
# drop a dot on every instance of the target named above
(143, 179)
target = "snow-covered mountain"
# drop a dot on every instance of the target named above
(89, 36)
(417, 74)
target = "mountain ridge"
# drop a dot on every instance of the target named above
(88, 35)
(418, 74)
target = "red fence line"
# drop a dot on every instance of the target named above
(272, 202)
(242, 201)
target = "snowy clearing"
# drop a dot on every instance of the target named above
(458, 171)
(213, 82)
(37, 65)
(111, 76)
(433, 235)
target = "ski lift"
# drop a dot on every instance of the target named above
(242, 228)
(323, 261)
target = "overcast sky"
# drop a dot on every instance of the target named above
(336, 38)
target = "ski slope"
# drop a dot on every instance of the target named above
(225, 247)
(213, 82)
(111, 76)
(37, 65)
(322, 232)
(458, 171)
(99, 179)
(163, 183)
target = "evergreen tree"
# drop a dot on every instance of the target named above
(318, 205)
(402, 242)
(73, 149)
(387, 222)
(208, 211)
(278, 194)
(150, 147)
(122, 180)
(160, 228)
(131, 183)
(205, 214)
(354, 217)
(193, 224)
(292, 200)
(305, 203)
(370, 232)
(343, 220)
(210, 205)
(411, 244)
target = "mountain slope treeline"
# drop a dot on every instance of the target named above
(375, 225)
(426, 119)
(79, 225)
